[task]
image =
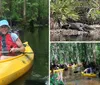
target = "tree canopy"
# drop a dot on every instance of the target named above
(86, 11)
(24, 11)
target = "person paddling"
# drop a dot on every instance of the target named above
(9, 42)
(88, 70)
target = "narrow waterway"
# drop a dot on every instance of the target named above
(84, 81)
(38, 74)
(71, 78)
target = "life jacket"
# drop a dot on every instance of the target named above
(6, 43)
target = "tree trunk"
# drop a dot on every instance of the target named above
(39, 17)
(0, 8)
(94, 53)
(24, 10)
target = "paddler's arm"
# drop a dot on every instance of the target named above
(20, 48)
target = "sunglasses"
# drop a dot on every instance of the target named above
(4, 26)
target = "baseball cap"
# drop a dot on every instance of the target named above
(4, 22)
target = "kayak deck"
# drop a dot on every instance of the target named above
(57, 70)
(14, 67)
(88, 74)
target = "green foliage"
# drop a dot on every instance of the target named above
(94, 11)
(64, 9)
(32, 10)
(75, 52)
(15, 9)
(76, 9)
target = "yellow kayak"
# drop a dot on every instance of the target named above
(88, 74)
(57, 71)
(14, 67)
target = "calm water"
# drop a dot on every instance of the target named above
(78, 79)
(38, 74)
(84, 81)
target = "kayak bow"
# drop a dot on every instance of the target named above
(14, 67)
(88, 74)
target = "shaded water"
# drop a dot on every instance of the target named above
(86, 81)
(38, 74)
(78, 79)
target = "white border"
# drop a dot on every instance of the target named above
(75, 41)
(63, 42)
(49, 43)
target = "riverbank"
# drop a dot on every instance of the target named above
(75, 35)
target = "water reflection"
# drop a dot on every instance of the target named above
(26, 80)
(35, 82)
(78, 79)
(84, 82)
(38, 75)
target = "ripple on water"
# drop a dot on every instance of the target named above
(85, 81)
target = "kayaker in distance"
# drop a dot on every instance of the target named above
(9, 42)
(88, 70)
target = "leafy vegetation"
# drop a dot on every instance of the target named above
(24, 12)
(75, 52)
(87, 11)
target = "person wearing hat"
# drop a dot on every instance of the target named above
(9, 42)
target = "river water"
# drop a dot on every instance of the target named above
(84, 81)
(78, 79)
(38, 74)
